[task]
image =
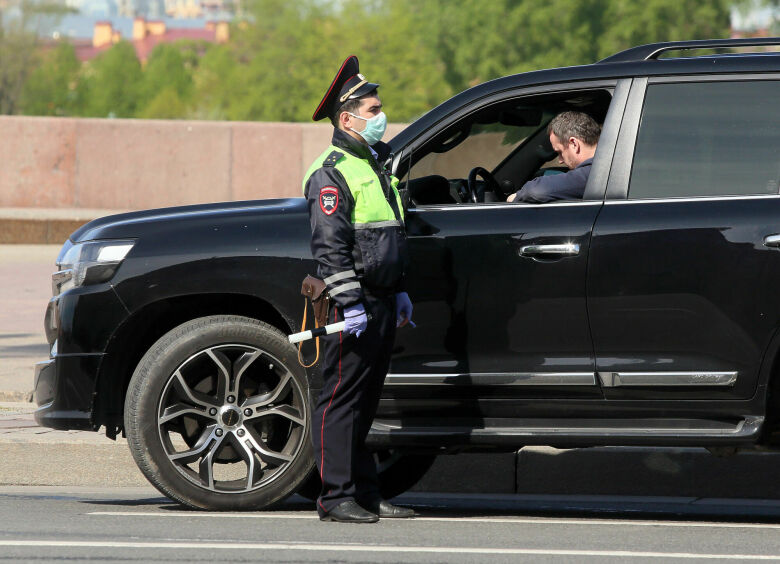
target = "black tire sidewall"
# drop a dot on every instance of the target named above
(149, 380)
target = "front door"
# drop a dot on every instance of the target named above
(499, 289)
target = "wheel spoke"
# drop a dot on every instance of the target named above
(286, 411)
(264, 452)
(246, 452)
(240, 366)
(270, 397)
(203, 444)
(223, 377)
(206, 466)
(179, 409)
(193, 396)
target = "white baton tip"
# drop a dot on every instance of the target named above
(298, 337)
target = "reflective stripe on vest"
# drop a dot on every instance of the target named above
(372, 210)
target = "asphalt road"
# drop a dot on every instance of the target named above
(136, 524)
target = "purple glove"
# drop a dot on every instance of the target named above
(403, 310)
(356, 320)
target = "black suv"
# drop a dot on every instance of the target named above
(643, 314)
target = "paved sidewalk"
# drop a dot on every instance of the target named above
(33, 455)
(25, 279)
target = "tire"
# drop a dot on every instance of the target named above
(397, 473)
(217, 415)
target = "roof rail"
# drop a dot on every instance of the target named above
(653, 50)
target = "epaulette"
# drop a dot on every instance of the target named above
(332, 159)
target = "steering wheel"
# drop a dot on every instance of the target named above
(472, 184)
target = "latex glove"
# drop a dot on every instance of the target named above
(356, 320)
(403, 310)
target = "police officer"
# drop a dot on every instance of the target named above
(359, 242)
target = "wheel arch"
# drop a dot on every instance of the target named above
(768, 390)
(145, 326)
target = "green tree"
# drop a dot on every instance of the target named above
(166, 104)
(165, 78)
(479, 41)
(112, 83)
(19, 20)
(216, 81)
(52, 87)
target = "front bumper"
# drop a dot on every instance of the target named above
(63, 391)
(80, 322)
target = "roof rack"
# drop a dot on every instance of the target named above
(653, 50)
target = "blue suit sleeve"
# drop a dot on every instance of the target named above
(567, 186)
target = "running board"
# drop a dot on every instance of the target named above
(579, 432)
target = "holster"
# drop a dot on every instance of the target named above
(314, 290)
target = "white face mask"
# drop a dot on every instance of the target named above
(375, 127)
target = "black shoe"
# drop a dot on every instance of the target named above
(349, 512)
(387, 510)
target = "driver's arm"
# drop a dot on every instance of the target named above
(567, 186)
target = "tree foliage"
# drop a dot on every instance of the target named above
(113, 83)
(283, 56)
(52, 87)
(19, 22)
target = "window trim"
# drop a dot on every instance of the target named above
(623, 162)
(473, 106)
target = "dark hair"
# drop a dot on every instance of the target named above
(575, 124)
(351, 106)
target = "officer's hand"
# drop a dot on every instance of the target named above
(403, 309)
(512, 197)
(356, 320)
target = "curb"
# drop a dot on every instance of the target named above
(36, 231)
(45, 226)
(16, 397)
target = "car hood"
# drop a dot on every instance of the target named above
(135, 224)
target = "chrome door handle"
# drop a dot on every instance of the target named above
(772, 240)
(563, 250)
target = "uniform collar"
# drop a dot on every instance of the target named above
(344, 140)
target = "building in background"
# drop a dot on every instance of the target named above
(146, 35)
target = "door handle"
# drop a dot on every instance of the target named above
(554, 251)
(772, 240)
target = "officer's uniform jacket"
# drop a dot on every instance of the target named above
(357, 222)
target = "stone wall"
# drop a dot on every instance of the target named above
(139, 164)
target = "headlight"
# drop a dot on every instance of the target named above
(90, 262)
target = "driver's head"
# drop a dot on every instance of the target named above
(574, 136)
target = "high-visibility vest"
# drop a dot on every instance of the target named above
(371, 207)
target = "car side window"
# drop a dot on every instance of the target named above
(708, 139)
(486, 145)
(490, 153)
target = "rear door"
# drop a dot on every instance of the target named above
(684, 262)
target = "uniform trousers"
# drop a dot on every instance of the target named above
(353, 370)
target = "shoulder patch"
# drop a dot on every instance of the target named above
(332, 159)
(329, 199)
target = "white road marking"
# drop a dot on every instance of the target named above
(519, 520)
(380, 548)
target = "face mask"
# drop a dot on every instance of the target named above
(375, 127)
